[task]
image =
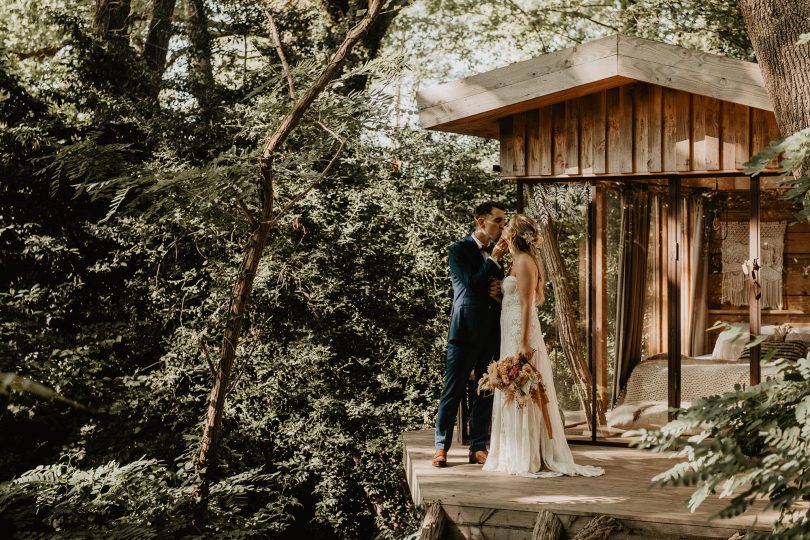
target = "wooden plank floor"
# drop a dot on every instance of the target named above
(497, 505)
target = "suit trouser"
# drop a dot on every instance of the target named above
(461, 359)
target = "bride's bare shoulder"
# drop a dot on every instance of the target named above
(523, 264)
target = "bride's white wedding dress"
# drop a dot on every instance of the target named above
(519, 442)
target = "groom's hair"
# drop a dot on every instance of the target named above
(485, 209)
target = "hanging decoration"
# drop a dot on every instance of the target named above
(737, 267)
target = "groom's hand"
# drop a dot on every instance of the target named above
(495, 290)
(500, 249)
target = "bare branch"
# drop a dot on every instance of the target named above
(244, 208)
(337, 60)
(280, 50)
(579, 14)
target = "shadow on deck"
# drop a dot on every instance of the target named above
(499, 506)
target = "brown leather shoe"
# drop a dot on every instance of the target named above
(479, 457)
(440, 458)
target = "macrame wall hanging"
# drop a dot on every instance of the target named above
(735, 253)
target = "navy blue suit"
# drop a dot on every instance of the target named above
(472, 342)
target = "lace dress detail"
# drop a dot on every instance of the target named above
(519, 443)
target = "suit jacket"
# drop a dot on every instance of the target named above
(476, 317)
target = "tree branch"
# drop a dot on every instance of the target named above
(280, 50)
(337, 60)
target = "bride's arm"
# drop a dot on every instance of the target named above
(526, 274)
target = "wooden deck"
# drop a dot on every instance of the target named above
(499, 506)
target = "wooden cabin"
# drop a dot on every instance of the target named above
(656, 137)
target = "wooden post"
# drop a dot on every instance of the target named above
(546, 526)
(600, 301)
(754, 320)
(674, 294)
(434, 523)
(589, 287)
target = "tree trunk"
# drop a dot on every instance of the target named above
(774, 27)
(240, 295)
(434, 522)
(567, 323)
(202, 74)
(599, 528)
(157, 39)
(547, 526)
(112, 18)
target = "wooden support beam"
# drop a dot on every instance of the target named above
(434, 523)
(547, 526)
(754, 320)
(600, 311)
(674, 294)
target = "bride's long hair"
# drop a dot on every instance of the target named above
(526, 238)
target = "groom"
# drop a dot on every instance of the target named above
(474, 336)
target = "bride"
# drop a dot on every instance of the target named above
(519, 442)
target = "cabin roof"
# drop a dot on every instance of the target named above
(472, 105)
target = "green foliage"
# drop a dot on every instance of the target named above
(795, 158)
(142, 499)
(750, 443)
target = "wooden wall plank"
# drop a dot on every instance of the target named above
(655, 129)
(668, 130)
(627, 94)
(683, 103)
(507, 153)
(586, 129)
(742, 149)
(519, 144)
(533, 149)
(698, 133)
(759, 130)
(728, 135)
(763, 131)
(558, 133)
(705, 133)
(712, 127)
(546, 143)
(641, 121)
(571, 137)
(612, 115)
(620, 129)
(599, 104)
(676, 130)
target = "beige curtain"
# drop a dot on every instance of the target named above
(653, 340)
(633, 247)
(694, 280)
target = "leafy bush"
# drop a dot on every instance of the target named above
(751, 443)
